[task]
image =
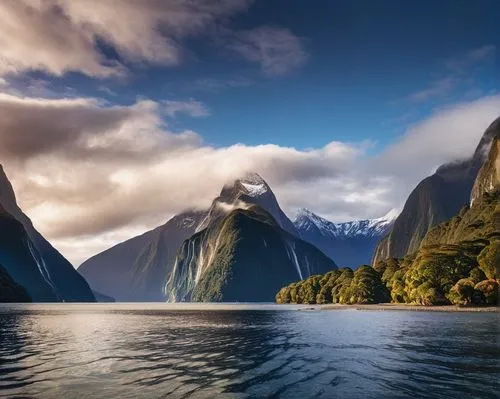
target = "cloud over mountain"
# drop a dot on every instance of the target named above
(90, 174)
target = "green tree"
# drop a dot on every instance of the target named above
(489, 291)
(366, 287)
(462, 292)
(477, 275)
(489, 260)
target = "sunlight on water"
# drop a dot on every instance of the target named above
(192, 350)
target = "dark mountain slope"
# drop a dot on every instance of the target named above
(10, 291)
(67, 284)
(436, 199)
(137, 269)
(22, 262)
(243, 257)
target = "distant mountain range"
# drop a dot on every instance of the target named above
(29, 258)
(244, 247)
(350, 243)
(456, 261)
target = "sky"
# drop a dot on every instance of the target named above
(116, 115)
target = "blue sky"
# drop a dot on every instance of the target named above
(365, 61)
(116, 115)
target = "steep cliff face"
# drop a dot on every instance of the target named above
(21, 260)
(137, 269)
(350, 243)
(244, 256)
(436, 199)
(62, 281)
(488, 177)
(480, 220)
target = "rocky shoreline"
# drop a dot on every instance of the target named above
(405, 307)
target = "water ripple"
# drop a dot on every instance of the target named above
(94, 351)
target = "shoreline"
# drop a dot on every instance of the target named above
(408, 307)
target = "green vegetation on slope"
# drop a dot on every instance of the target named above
(457, 263)
(243, 256)
(364, 285)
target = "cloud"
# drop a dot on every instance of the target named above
(438, 88)
(78, 128)
(458, 72)
(91, 174)
(57, 36)
(451, 133)
(471, 58)
(191, 107)
(215, 85)
(278, 51)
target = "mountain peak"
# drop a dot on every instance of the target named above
(253, 184)
(304, 212)
(389, 216)
(306, 219)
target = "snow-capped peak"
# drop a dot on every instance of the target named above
(388, 218)
(254, 184)
(306, 220)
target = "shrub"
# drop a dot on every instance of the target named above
(489, 291)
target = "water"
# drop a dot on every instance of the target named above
(153, 351)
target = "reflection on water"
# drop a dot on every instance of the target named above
(129, 351)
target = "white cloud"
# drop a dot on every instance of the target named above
(449, 134)
(191, 107)
(471, 58)
(58, 36)
(91, 174)
(278, 51)
(458, 72)
(438, 88)
(215, 85)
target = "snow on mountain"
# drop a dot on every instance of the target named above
(349, 243)
(307, 220)
(254, 185)
(250, 189)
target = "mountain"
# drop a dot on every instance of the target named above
(488, 177)
(243, 251)
(137, 269)
(10, 291)
(350, 243)
(481, 220)
(435, 199)
(457, 262)
(102, 298)
(250, 189)
(31, 260)
(21, 260)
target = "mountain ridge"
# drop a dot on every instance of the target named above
(64, 281)
(136, 269)
(435, 199)
(350, 243)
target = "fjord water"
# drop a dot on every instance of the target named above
(150, 351)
